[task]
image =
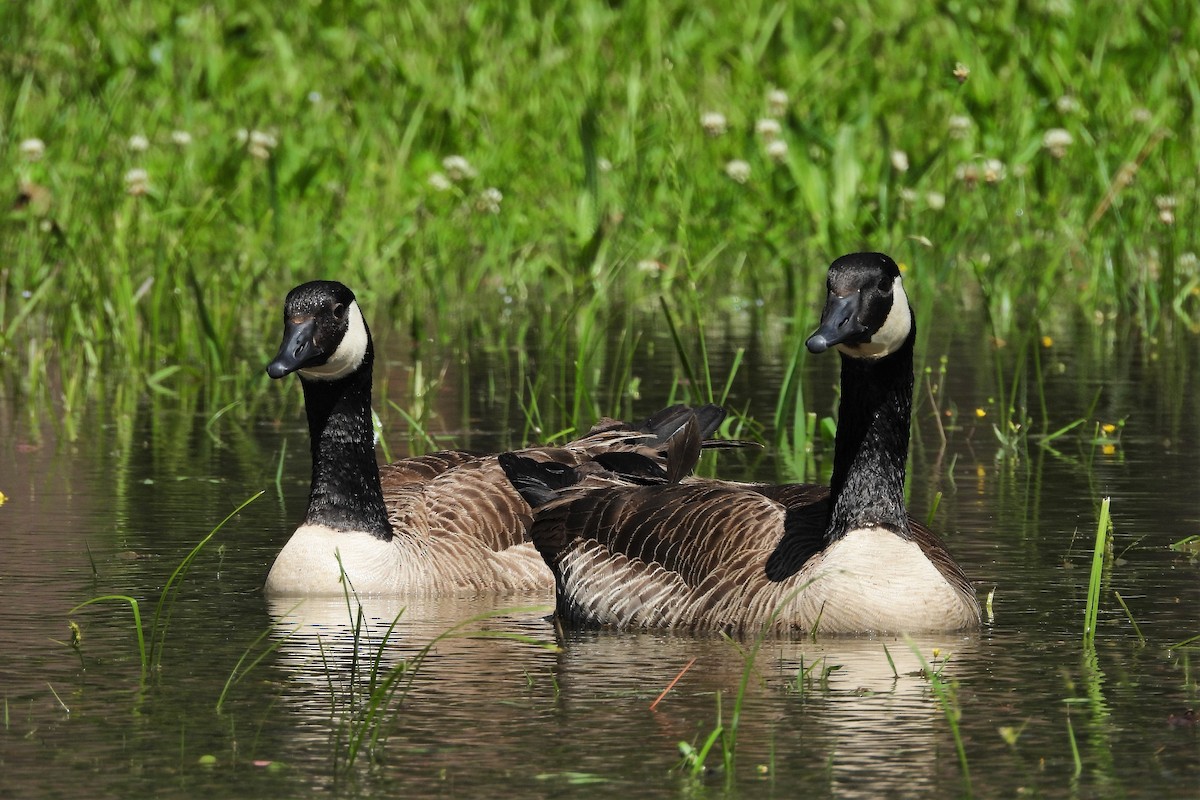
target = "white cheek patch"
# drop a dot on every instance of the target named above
(349, 354)
(891, 335)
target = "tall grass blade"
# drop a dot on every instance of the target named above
(237, 673)
(1076, 760)
(1129, 615)
(950, 710)
(137, 624)
(1094, 579)
(166, 598)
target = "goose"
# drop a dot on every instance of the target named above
(718, 555)
(446, 523)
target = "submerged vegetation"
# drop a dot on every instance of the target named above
(524, 178)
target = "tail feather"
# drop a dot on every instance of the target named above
(666, 423)
(632, 467)
(683, 450)
(537, 481)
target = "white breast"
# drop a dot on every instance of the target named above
(873, 580)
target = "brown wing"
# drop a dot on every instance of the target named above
(476, 501)
(458, 495)
(691, 530)
(422, 468)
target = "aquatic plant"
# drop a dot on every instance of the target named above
(694, 759)
(817, 674)
(376, 708)
(1102, 547)
(150, 654)
(947, 700)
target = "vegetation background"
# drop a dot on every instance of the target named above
(523, 177)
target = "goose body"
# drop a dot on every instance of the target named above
(446, 523)
(719, 555)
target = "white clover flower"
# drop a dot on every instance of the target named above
(993, 170)
(968, 173)
(900, 161)
(603, 165)
(137, 182)
(259, 144)
(458, 168)
(777, 102)
(181, 138)
(650, 266)
(935, 200)
(769, 129)
(1057, 140)
(908, 195)
(243, 135)
(488, 201)
(264, 139)
(440, 183)
(777, 150)
(139, 143)
(315, 97)
(959, 126)
(32, 149)
(1188, 261)
(738, 170)
(1142, 115)
(961, 72)
(1066, 104)
(713, 122)
(1166, 208)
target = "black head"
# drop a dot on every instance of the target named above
(866, 311)
(324, 334)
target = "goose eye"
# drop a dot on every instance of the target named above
(885, 284)
(339, 311)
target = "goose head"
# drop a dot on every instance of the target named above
(866, 313)
(325, 337)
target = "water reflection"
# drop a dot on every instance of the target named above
(860, 708)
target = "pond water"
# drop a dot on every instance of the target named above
(249, 698)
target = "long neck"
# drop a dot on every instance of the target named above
(871, 447)
(345, 493)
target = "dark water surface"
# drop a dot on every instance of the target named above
(116, 512)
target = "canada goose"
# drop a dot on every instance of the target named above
(720, 555)
(440, 524)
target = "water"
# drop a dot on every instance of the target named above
(116, 512)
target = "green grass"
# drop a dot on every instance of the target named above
(1100, 555)
(947, 697)
(586, 119)
(150, 652)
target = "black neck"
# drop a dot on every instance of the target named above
(871, 447)
(345, 493)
